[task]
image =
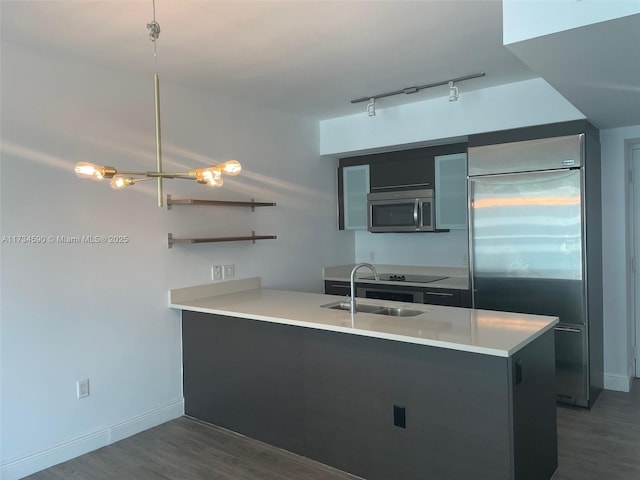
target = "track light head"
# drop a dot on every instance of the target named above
(453, 92)
(371, 107)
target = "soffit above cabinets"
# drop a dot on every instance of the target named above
(595, 67)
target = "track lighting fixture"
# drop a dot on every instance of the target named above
(453, 92)
(211, 176)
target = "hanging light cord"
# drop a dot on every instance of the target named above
(154, 33)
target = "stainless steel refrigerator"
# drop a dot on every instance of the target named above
(535, 246)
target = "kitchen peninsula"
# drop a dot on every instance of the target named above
(446, 393)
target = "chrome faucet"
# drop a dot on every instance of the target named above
(352, 302)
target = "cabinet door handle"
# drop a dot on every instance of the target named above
(339, 286)
(518, 372)
(567, 329)
(440, 294)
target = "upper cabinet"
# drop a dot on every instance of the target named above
(402, 174)
(451, 191)
(413, 169)
(355, 182)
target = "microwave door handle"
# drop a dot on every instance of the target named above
(416, 215)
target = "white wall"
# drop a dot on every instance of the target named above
(526, 19)
(518, 104)
(446, 249)
(101, 311)
(618, 326)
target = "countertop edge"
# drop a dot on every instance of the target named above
(368, 333)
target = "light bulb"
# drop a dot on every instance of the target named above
(214, 181)
(89, 170)
(232, 167)
(208, 175)
(118, 183)
(94, 172)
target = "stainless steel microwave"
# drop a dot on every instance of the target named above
(401, 211)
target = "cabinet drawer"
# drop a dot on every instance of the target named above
(442, 296)
(333, 287)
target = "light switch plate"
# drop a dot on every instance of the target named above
(228, 271)
(216, 272)
(82, 388)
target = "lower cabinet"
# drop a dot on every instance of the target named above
(337, 288)
(245, 376)
(379, 409)
(451, 297)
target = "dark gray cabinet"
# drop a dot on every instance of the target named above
(353, 384)
(334, 398)
(244, 376)
(402, 174)
(451, 297)
(334, 287)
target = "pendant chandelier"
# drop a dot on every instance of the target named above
(211, 176)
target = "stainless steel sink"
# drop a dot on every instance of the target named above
(376, 309)
(398, 312)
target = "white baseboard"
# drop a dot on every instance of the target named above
(20, 467)
(619, 383)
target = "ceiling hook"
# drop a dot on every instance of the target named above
(154, 30)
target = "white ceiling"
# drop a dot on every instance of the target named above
(305, 57)
(308, 57)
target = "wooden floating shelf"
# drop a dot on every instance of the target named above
(253, 237)
(218, 203)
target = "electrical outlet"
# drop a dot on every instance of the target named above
(399, 416)
(228, 271)
(216, 272)
(82, 388)
(372, 256)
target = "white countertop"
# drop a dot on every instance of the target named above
(479, 331)
(456, 277)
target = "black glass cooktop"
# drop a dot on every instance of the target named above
(396, 277)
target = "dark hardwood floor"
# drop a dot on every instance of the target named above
(600, 444)
(603, 443)
(187, 449)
